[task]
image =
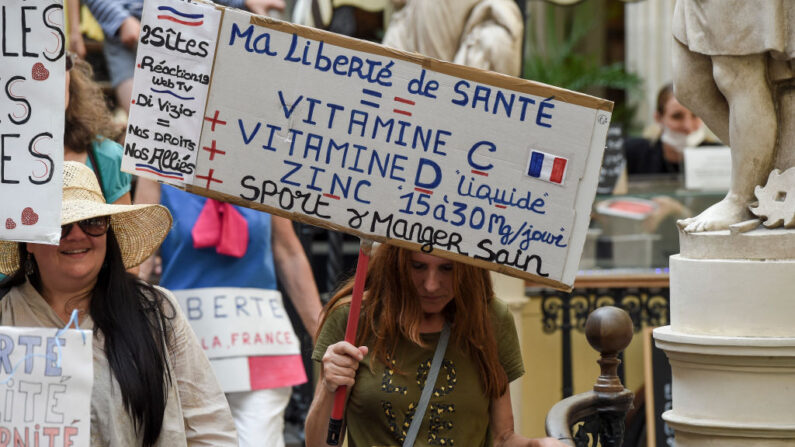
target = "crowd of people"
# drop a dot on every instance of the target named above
(154, 386)
(153, 383)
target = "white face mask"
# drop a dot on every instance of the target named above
(679, 141)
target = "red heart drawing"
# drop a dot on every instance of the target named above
(29, 217)
(39, 72)
(10, 224)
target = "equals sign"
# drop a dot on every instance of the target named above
(373, 94)
(404, 101)
(162, 122)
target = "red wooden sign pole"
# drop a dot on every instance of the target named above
(338, 411)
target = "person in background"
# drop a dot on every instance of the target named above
(74, 37)
(88, 132)
(410, 299)
(121, 22)
(206, 248)
(680, 129)
(153, 385)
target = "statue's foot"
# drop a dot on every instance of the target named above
(717, 217)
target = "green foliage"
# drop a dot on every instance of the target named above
(557, 58)
(557, 61)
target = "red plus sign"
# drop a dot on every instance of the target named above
(214, 120)
(209, 178)
(213, 150)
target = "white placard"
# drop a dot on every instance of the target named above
(46, 384)
(239, 322)
(708, 168)
(233, 374)
(173, 68)
(31, 120)
(479, 167)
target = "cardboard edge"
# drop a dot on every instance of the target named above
(584, 202)
(296, 217)
(473, 74)
(209, 87)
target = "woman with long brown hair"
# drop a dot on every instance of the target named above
(411, 301)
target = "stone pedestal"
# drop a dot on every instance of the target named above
(731, 342)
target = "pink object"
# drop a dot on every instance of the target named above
(39, 72)
(632, 207)
(221, 226)
(275, 371)
(29, 217)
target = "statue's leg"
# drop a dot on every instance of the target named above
(752, 132)
(695, 88)
(784, 94)
(753, 126)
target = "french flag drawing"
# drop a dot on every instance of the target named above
(169, 13)
(547, 167)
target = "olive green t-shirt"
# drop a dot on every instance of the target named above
(382, 402)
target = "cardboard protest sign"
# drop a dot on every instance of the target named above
(236, 326)
(173, 65)
(46, 382)
(239, 322)
(478, 167)
(31, 120)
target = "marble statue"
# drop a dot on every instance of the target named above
(728, 58)
(484, 34)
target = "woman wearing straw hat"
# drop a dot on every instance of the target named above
(153, 385)
(87, 127)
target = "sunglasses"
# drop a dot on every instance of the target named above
(94, 226)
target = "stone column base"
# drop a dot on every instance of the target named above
(730, 391)
(691, 432)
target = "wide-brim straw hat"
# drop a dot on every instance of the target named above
(139, 229)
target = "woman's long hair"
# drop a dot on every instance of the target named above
(87, 115)
(391, 309)
(125, 310)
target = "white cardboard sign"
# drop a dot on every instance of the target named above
(239, 322)
(479, 167)
(31, 120)
(46, 383)
(173, 67)
(708, 168)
